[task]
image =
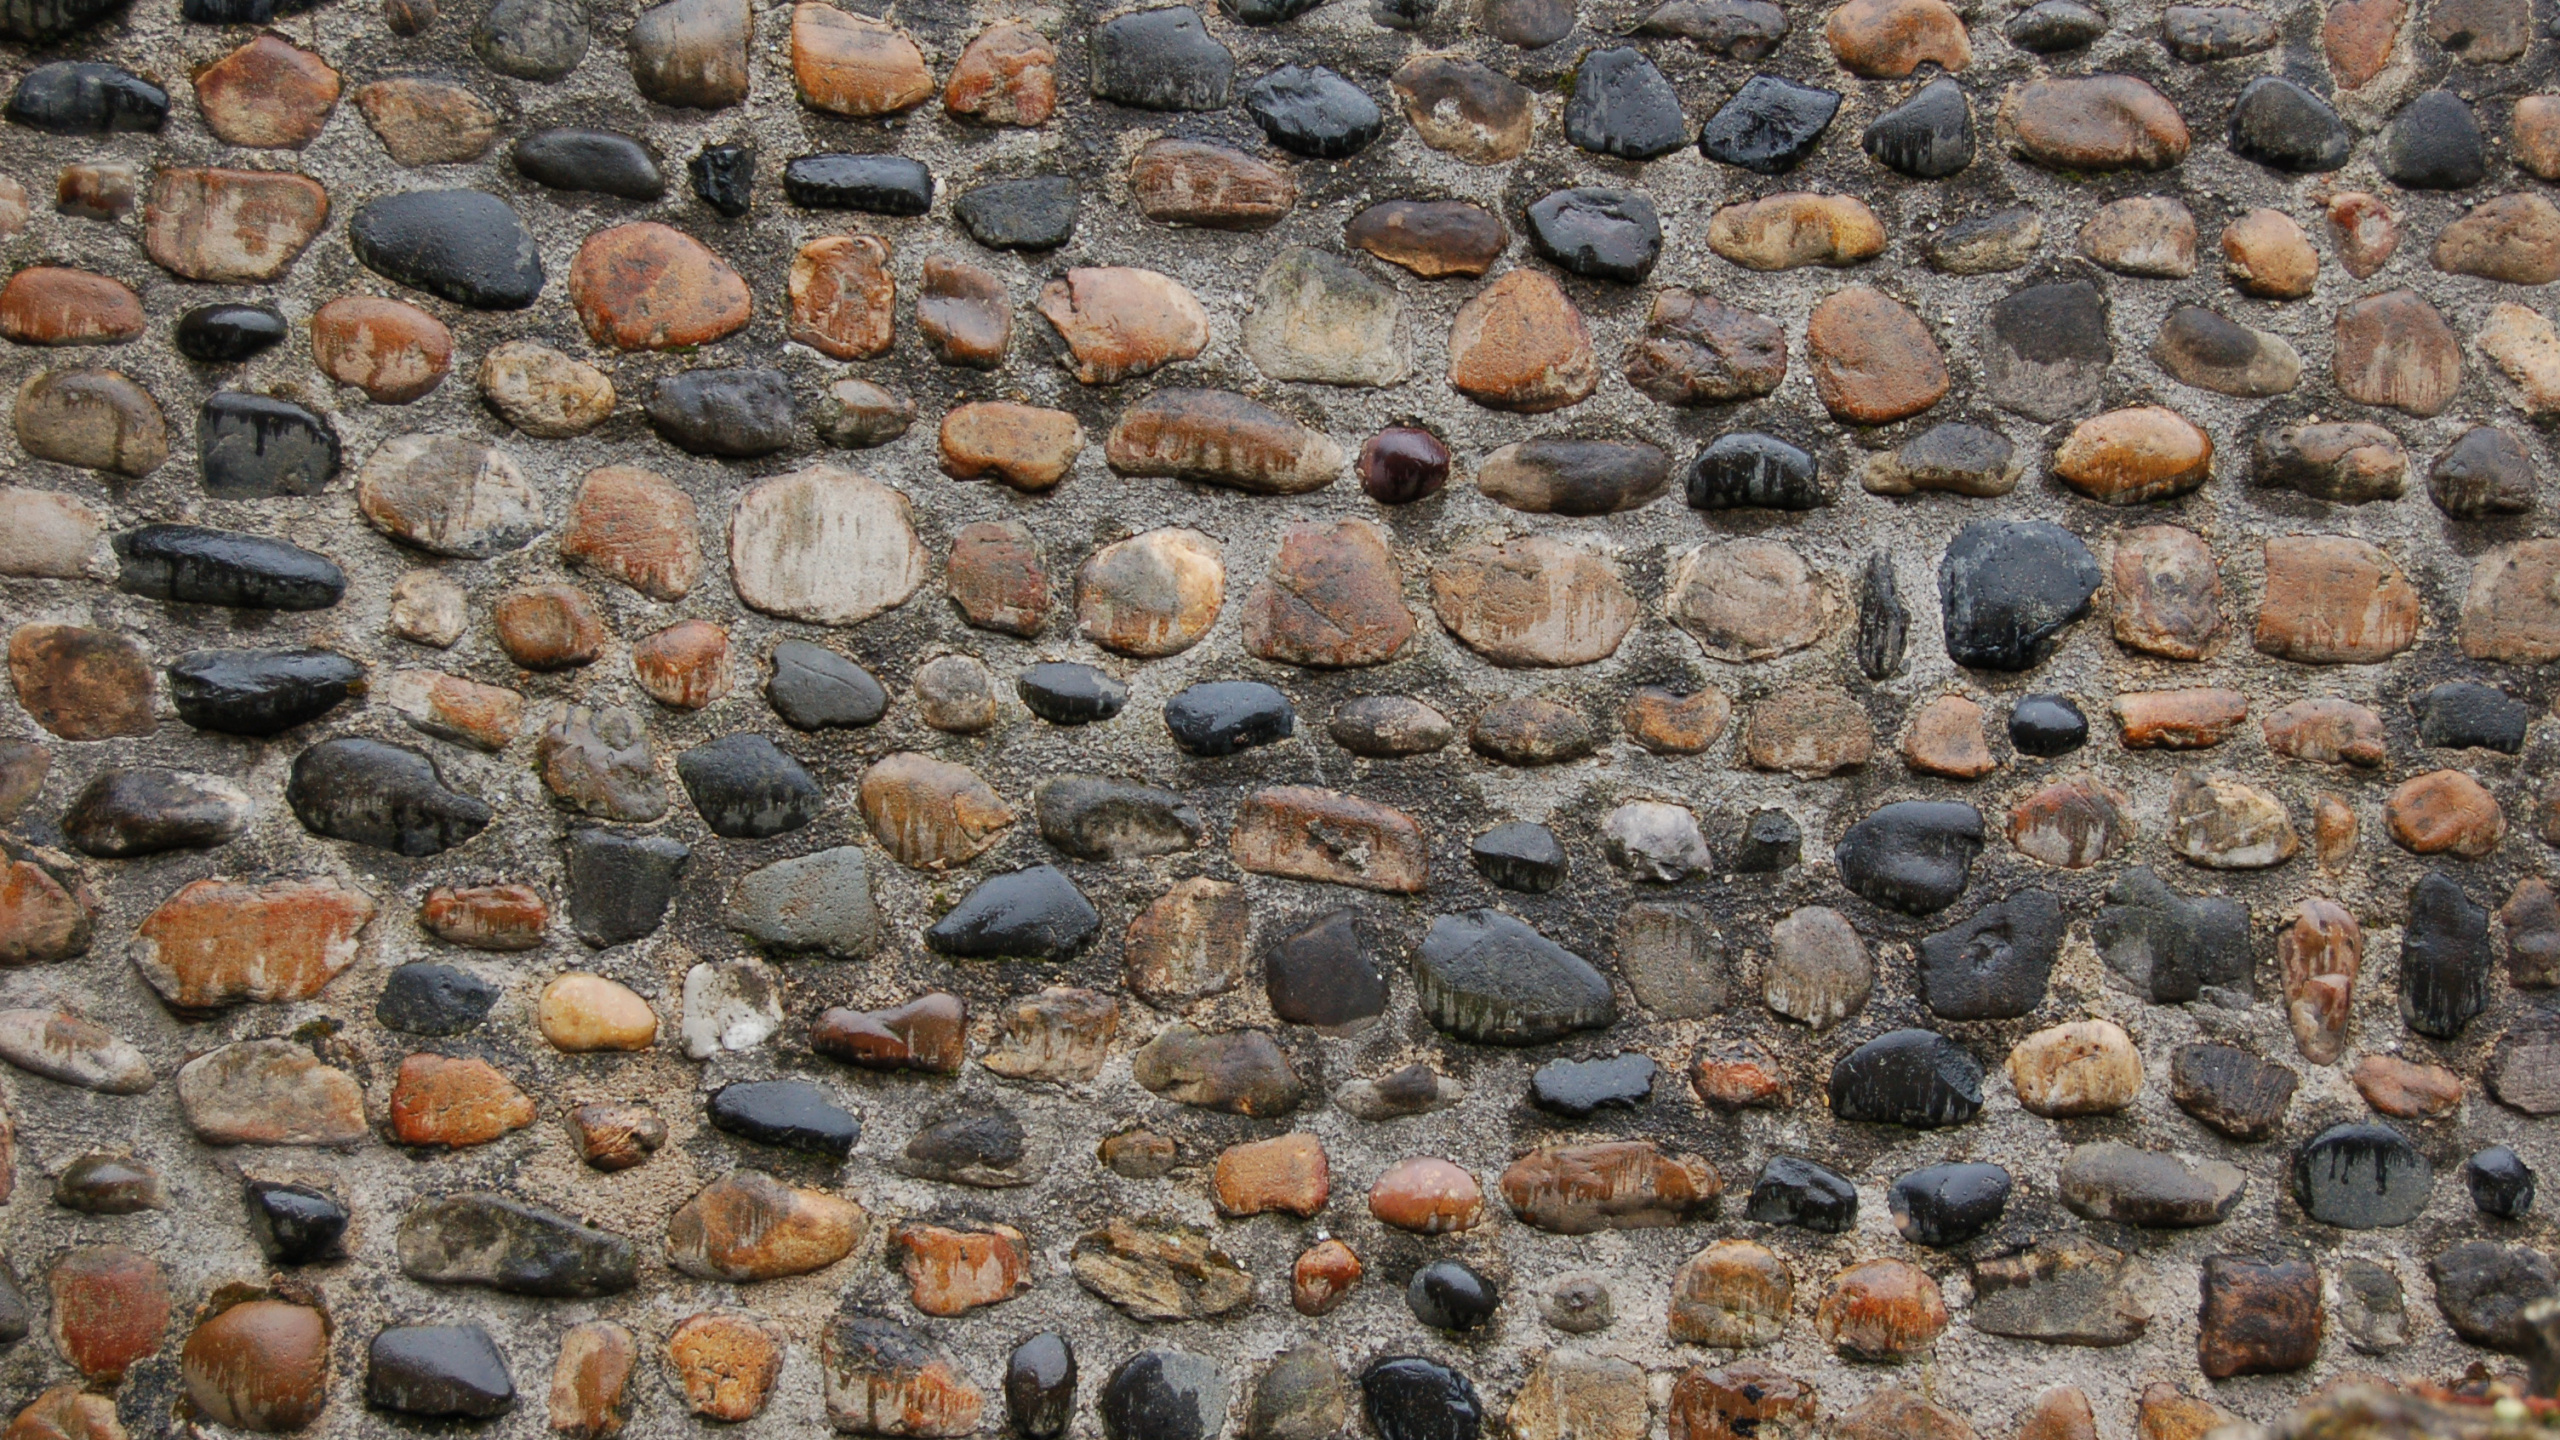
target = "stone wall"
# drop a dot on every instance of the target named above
(670, 787)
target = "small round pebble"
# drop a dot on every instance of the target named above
(1578, 1305)
(1448, 1295)
(1402, 464)
(2047, 725)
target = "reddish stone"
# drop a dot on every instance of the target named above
(2072, 823)
(2405, 1090)
(1734, 1294)
(652, 287)
(685, 666)
(1738, 1075)
(927, 1034)
(220, 942)
(1287, 1173)
(2445, 811)
(995, 578)
(1873, 360)
(1024, 446)
(428, 122)
(110, 1306)
(847, 63)
(965, 314)
(2359, 36)
(2366, 229)
(394, 353)
(47, 912)
(635, 526)
(2318, 954)
(82, 684)
(1322, 1277)
(844, 304)
(2395, 349)
(1519, 344)
(548, 627)
(611, 1135)
(1667, 723)
(952, 1271)
(1946, 739)
(1882, 1310)
(1611, 1185)
(1427, 1196)
(750, 1226)
(591, 1382)
(1748, 1400)
(229, 227)
(437, 1100)
(1187, 182)
(725, 1364)
(449, 707)
(260, 1365)
(97, 192)
(2333, 600)
(1119, 322)
(2330, 732)
(49, 305)
(1304, 833)
(66, 1412)
(2258, 1317)
(1888, 39)
(1008, 75)
(2179, 719)
(269, 94)
(1332, 598)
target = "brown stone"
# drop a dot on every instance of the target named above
(1888, 39)
(584, 1014)
(269, 1092)
(1187, 182)
(2523, 344)
(394, 353)
(1873, 360)
(2221, 823)
(1738, 1075)
(2265, 254)
(1672, 724)
(1747, 1400)
(67, 1412)
(591, 1381)
(1745, 600)
(2061, 1413)
(83, 685)
(1151, 595)
(1427, 1196)
(2092, 123)
(1139, 1154)
(2366, 229)
(2445, 811)
(2327, 732)
(1008, 75)
(1322, 1277)
(428, 122)
(110, 1308)
(995, 576)
(1188, 944)
(2405, 1090)
(2395, 349)
(1119, 322)
(548, 627)
(268, 94)
(47, 913)
(2331, 600)
(1159, 1272)
(228, 227)
(749, 1226)
(1946, 739)
(1304, 833)
(954, 1271)
(2319, 953)
(724, 1362)
(2333, 829)
(1519, 344)
(98, 192)
(847, 63)
(692, 53)
(2127, 457)
(1287, 1173)
(2088, 1067)
(260, 1365)
(1028, 448)
(1459, 107)
(964, 314)
(685, 666)
(637, 527)
(49, 305)
(441, 1101)
(217, 943)
(2258, 1317)
(2511, 612)
(2531, 919)
(649, 286)
(1063, 1033)
(1793, 229)
(1612, 1185)
(1242, 1072)
(927, 1035)
(1432, 238)
(612, 1135)
(2150, 236)
(1881, 1310)
(2359, 36)
(1531, 730)
(2072, 824)
(1895, 1413)
(2179, 719)
(92, 417)
(2164, 592)
(931, 814)
(544, 393)
(1533, 601)
(1733, 1295)
(1809, 732)
(844, 304)
(1331, 599)
(1218, 437)
(1697, 350)
(2513, 238)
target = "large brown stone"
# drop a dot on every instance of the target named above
(746, 1226)
(847, 63)
(2332, 600)
(2127, 457)
(230, 227)
(648, 286)
(2164, 593)
(844, 304)
(1519, 344)
(2072, 823)
(2511, 612)
(1873, 360)
(996, 579)
(1119, 322)
(54, 305)
(1794, 228)
(110, 1308)
(1008, 75)
(393, 352)
(2395, 349)
(1024, 446)
(1331, 599)
(1747, 1400)
(1218, 437)
(1431, 238)
(953, 1271)
(1533, 601)
(1735, 1294)
(2445, 811)
(1747, 600)
(428, 122)
(269, 1092)
(1304, 833)
(1186, 182)
(1888, 39)
(437, 1100)
(1613, 1185)
(82, 684)
(931, 814)
(91, 417)
(2359, 37)
(637, 527)
(261, 1365)
(1697, 350)
(1475, 113)
(268, 94)
(2092, 123)
(218, 943)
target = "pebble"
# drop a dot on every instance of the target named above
(1287, 1174)
(1040, 1385)
(2073, 823)
(466, 246)
(2166, 598)
(2445, 959)
(256, 447)
(2283, 126)
(1884, 622)
(791, 1114)
(1090, 818)
(2087, 1067)
(1913, 855)
(449, 495)
(1927, 137)
(548, 627)
(1531, 731)
(1697, 350)
(599, 162)
(1881, 1310)
(1743, 29)
(122, 813)
(2501, 1184)
(726, 1364)
(847, 63)
(442, 1103)
(1151, 595)
(692, 53)
(1185, 182)
(749, 1226)
(1226, 717)
(2069, 1291)
(1464, 109)
(2484, 472)
(50, 305)
(1161, 59)
(1742, 1400)
(995, 578)
(1034, 213)
(1486, 977)
(931, 814)
(2220, 823)
(2148, 236)
(1119, 323)
(230, 226)
(2531, 919)
(964, 315)
(2513, 238)
(103, 1184)
(81, 684)
(1034, 913)
(1914, 1078)
(386, 796)
(1747, 600)
(1733, 1294)
(1873, 360)
(600, 763)
(2329, 599)
(2211, 352)
(2361, 1177)
(869, 183)
(2372, 1307)
(76, 97)
(2109, 1181)
(746, 788)
(1519, 856)
(1161, 1273)
(1818, 971)
(2046, 349)
(189, 565)
(648, 286)
(735, 412)
(2230, 1090)
(221, 334)
(1888, 39)
(2433, 143)
(1317, 317)
(2444, 811)
(724, 178)
(2093, 123)
(1407, 1397)
(1793, 229)
(537, 40)
(1007, 75)
(881, 1377)
(580, 1014)
(1769, 126)
(1389, 727)
(2405, 1090)
(1431, 238)
(1799, 1192)
(1995, 964)
(1987, 244)
(957, 694)
(1065, 693)
(2008, 588)
(2462, 713)
(2265, 253)
(1448, 1295)
(295, 1224)
(69, 1050)
(1668, 723)
(925, 1034)
(1519, 344)
(2200, 34)
(2485, 1291)
(429, 999)
(1163, 1395)
(435, 1371)
(511, 1247)
(423, 122)
(260, 692)
(2510, 614)
(620, 884)
(1946, 1205)
(1579, 1089)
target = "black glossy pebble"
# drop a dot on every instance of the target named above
(1598, 232)
(1915, 1078)
(465, 245)
(1407, 1397)
(1040, 1386)
(260, 692)
(1942, 1205)
(1621, 105)
(2047, 726)
(437, 1371)
(389, 797)
(192, 565)
(1770, 125)
(1519, 855)
(746, 788)
(296, 1224)
(2501, 1183)
(1063, 692)
(1035, 913)
(2362, 1177)
(1927, 137)
(2285, 127)
(224, 333)
(1222, 717)
(2007, 588)
(724, 178)
(1323, 974)
(1309, 110)
(425, 998)
(872, 184)
(1798, 1192)
(1449, 1295)
(792, 1114)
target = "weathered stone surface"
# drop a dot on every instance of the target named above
(2092, 123)
(269, 1092)
(1619, 1185)
(2333, 600)
(749, 1226)
(1162, 1272)
(1118, 322)
(1794, 229)
(824, 545)
(2072, 1291)
(1533, 602)
(1218, 437)
(218, 943)
(229, 226)
(1519, 344)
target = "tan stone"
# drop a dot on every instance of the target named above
(2127, 457)
(1794, 228)
(590, 1395)
(1151, 595)
(2092, 123)
(844, 304)
(847, 63)
(1809, 731)
(749, 1226)
(1745, 600)
(2514, 239)
(2511, 613)
(1427, 1196)
(1533, 602)
(1519, 344)
(230, 227)
(1888, 39)
(2179, 719)
(1187, 182)
(2329, 732)
(931, 814)
(2150, 236)
(1287, 1173)
(2072, 824)
(2522, 343)
(542, 392)
(2333, 600)
(1304, 833)
(2087, 1067)
(581, 1013)
(2265, 254)
(428, 122)
(1734, 1294)
(1120, 322)
(1873, 360)
(1946, 739)
(1008, 75)
(437, 1100)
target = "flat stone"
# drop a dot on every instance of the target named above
(1090, 818)
(1161, 59)
(2483, 473)
(2092, 123)
(2329, 599)
(2283, 126)
(1189, 944)
(600, 763)
(1007, 75)
(1988, 244)
(1913, 855)
(1389, 727)
(726, 1364)
(2395, 349)
(995, 578)
(437, 1371)
(956, 694)
(269, 1092)
(548, 627)
(1770, 125)
(191, 565)
(819, 903)
(2201, 348)
(791, 1114)
(1161, 1272)
(746, 788)
(620, 883)
(736, 412)
(1064, 692)
(846, 63)
(692, 53)
(1667, 723)
(1227, 717)
(386, 796)
(1431, 238)
(2372, 1307)
(1818, 971)
(2230, 1090)
(964, 314)
(2201, 34)
(1946, 1205)
(423, 122)
(1486, 977)
(1747, 600)
(869, 183)
(2087, 1067)
(2150, 1188)
(68, 97)
(511, 1247)
(1742, 29)
(2071, 1291)
(2170, 948)
(749, 1226)
(51, 305)
(1741, 1400)
(295, 1224)
(1033, 913)
(1995, 964)
(1465, 109)
(45, 534)
(93, 418)
(2046, 349)
(69, 1050)
(467, 246)
(1034, 213)
(1118, 322)
(2361, 1177)
(1793, 229)
(1698, 351)
(81, 684)
(843, 299)
(824, 545)
(440, 1102)
(1186, 182)
(1873, 360)
(2510, 613)
(1798, 1192)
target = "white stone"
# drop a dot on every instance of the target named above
(44, 535)
(2526, 346)
(1319, 317)
(427, 608)
(730, 1005)
(1655, 841)
(824, 545)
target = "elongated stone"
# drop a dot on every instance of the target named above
(1217, 437)
(69, 1050)
(509, 1246)
(1620, 1185)
(1486, 977)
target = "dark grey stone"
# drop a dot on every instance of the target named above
(386, 796)
(256, 447)
(621, 883)
(736, 412)
(192, 565)
(260, 692)
(746, 788)
(1486, 977)
(1035, 913)
(465, 245)
(1993, 966)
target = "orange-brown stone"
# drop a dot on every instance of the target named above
(1738, 1075)
(649, 286)
(2405, 1090)
(229, 227)
(954, 1271)
(1873, 360)
(110, 1307)
(220, 942)
(996, 579)
(486, 917)
(685, 666)
(82, 684)
(1519, 344)
(1287, 1173)
(268, 94)
(51, 305)
(548, 627)
(1611, 1185)
(1008, 75)
(394, 353)
(260, 1365)
(1119, 322)
(725, 1363)
(1186, 182)
(1024, 446)
(1331, 599)
(843, 302)
(1946, 739)
(1305, 833)
(2445, 811)
(2332, 600)
(847, 63)
(1747, 1400)
(2126, 457)
(2359, 36)
(637, 527)
(591, 1382)
(2179, 719)
(1668, 723)
(1881, 1310)
(1322, 1277)
(1888, 39)
(438, 1100)
(1427, 1196)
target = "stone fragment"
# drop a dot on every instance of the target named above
(218, 943)
(1159, 1272)
(2147, 236)
(2071, 1291)
(1288, 1174)
(1988, 244)
(1316, 317)
(1914, 1078)
(1534, 602)
(1465, 109)
(1743, 1400)
(2087, 1067)
(46, 535)
(2329, 599)
(70, 1050)
(1994, 965)
(477, 1238)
